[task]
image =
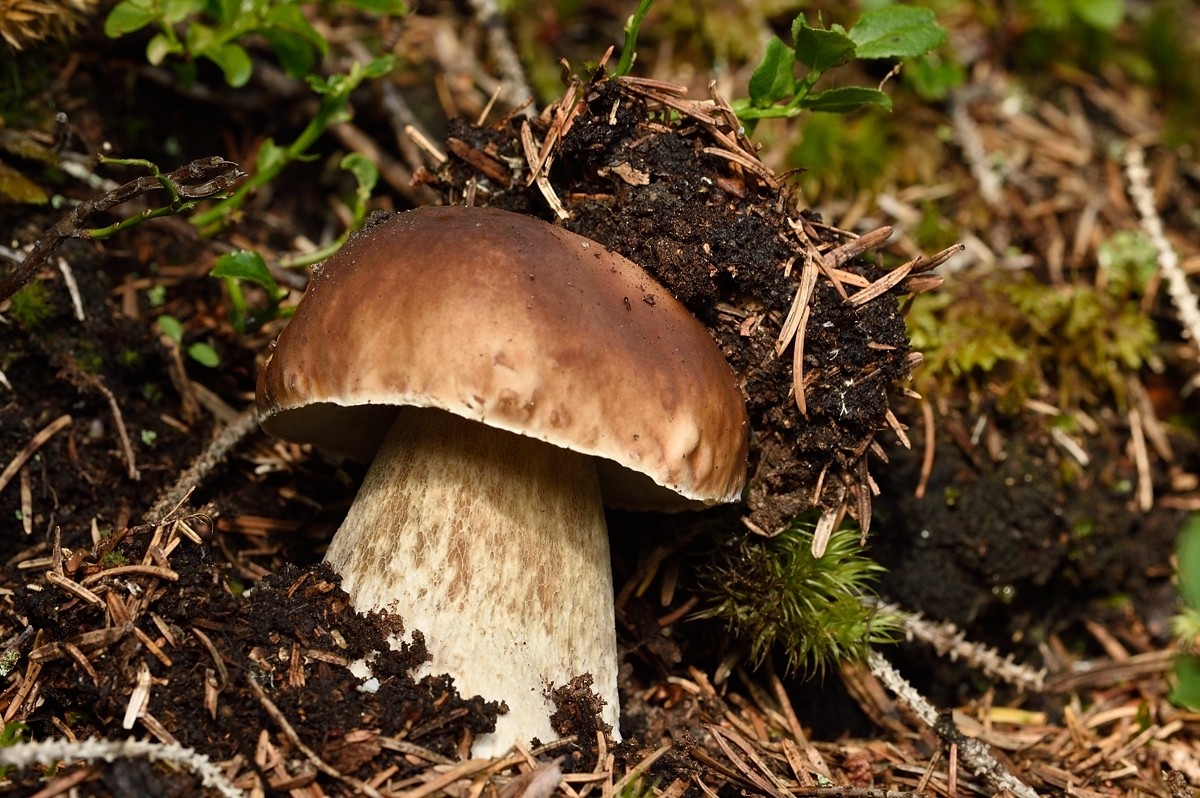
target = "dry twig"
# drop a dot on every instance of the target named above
(215, 176)
(974, 754)
(220, 446)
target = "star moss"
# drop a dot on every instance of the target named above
(774, 593)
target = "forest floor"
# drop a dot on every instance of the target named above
(161, 573)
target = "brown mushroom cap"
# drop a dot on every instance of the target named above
(526, 327)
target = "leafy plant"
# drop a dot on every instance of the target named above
(247, 266)
(200, 352)
(1186, 625)
(888, 32)
(225, 23)
(366, 175)
(775, 593)
(272, 158)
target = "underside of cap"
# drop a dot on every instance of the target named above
(509, 321)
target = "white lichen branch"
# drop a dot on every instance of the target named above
(966, 133)
(1186, 304)
(50, 752)
(973, 754)
(948, 640)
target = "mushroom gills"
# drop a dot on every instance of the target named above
(494, 545)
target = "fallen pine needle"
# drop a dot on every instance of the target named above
(34, 444)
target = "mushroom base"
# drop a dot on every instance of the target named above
(494, 545)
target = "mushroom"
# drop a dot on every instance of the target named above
(508, 378)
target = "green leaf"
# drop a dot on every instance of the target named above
(290, 18)
(846, 99)
(818, 49)
(127, 17)
(160, 47)
(14, 732)
(171, 327)
(204, 354)
(17, 186)
(227, 12)
(772, 79)
(897, 32)
(1101, 14)
(234, 61)
(1187, 555)
(396, 8)
(320, 85)
(294, 52)
(364, 171)
(247, 265)
(378, 68)
(1187, 690)
(270, 155)
(174, 11)
(199, 37)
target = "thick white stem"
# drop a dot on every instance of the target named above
(494, 545)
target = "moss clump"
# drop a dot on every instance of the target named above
(87, 356)
(30, 306)
(1080, 341)
(775, 593)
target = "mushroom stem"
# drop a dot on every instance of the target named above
(494, 545)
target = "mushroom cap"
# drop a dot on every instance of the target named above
(520, 325)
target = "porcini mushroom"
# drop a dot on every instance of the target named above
(507, 377)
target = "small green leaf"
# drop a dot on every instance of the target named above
(234, 61)
(846, 99)
(270, 155)
(897, 32)
(247, 265)
(364, 171)
(772, 79)
(1100, 14)
(1187, 689)
(159, 47)
(321, 86)
(127, 17)
(395, 8)
(294, 52)
(17, 186)
(227, 12)
(199, 37)
(1187, 555)
(204, 354)
(378, 68)
(171, 327)
(290, 18)
(818, 49)
(174, 11)
(14, 732)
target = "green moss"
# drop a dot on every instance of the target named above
(30, 306)
(87, 356)
(774, 593)
(114, 559)
(1021, 334)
